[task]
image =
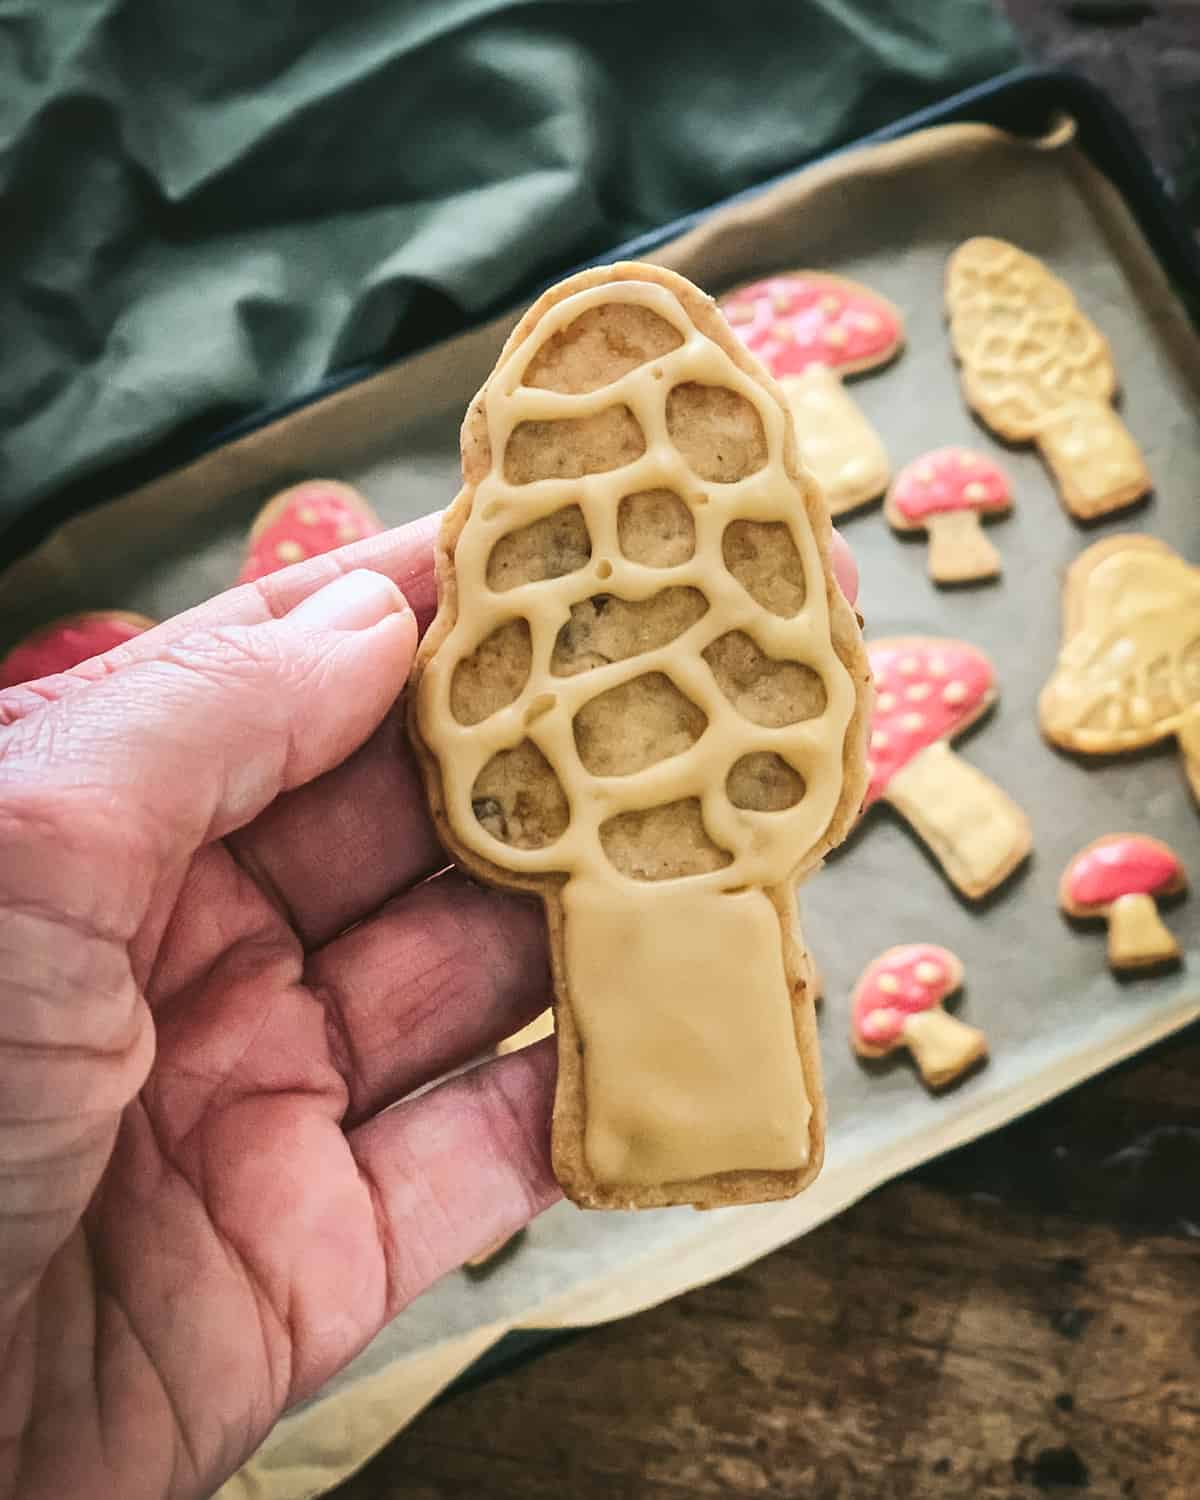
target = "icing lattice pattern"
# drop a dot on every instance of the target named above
(643, 632)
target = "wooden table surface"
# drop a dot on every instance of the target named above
(1019, 1319)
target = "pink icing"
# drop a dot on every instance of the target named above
(792, 322)
(925, 690)
(65, 643)
(316, 518)
(1125, 865)
(879, 1014)
(937, 481)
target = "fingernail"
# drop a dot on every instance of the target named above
(354, 602)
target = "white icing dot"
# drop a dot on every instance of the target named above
(783, 332)
(780, 301)
(927, 972)
(307, 516)
(868, 322)
(954, 692)
(909, 665)
(347, 531)
(830, 305)
(835, 337)
(975, 491)
(885, 702)
(889, 984)
(936, 666)
(288, 551)
(924, 472)
(912, 722)
(917, 691)
(879, 740)
(876, 1024)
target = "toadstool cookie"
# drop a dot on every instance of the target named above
(810, 329)
(1036, 370)
(1120, 878)
(898, 1003)
(644, 699)
(66, 642)
(927, 692)
(305, 521)
(1128, 673)
(947, 493)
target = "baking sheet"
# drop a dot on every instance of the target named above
(888, 215)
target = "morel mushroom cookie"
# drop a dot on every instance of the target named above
(644, 699)
(66, 642)
(1037, 371)
(898, 1003)
(927, 692)
(1128, 673)
(946, 494)
(306, 521)
(810, 329)
(1120, 878)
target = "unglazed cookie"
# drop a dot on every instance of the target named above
(644, 699)
(898, 1003)
(1037, 371)
(1120, 879)
(927, 692)
(946, 494)
(810, 329)
(305, 521)
(66, 642)
(1128, 673)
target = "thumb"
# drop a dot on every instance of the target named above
(136, 770)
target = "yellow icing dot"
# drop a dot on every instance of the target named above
(347, 532)
(780, 301)
(868, 322)
(954, 692)
(307, 516)
(288, 551)
(912, 721)
(885, 702)
(909, 665)
(879, 740)
(927, 973)
(835, 337)
(937, 666)
(975, 491)
(783, 332)
(830, 305)
(917, 691)
(889, 984)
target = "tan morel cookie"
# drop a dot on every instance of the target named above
(810, 329)
(1128, 673)
(1037, 371)
(644, 698)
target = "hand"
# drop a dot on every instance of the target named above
(222, 958)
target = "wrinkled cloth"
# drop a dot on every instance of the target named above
(209, 207)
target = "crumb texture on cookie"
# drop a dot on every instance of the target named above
(665, 744)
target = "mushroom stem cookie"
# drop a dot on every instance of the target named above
(1037, 371)
(1128, 674)
(927, 692)
(809, 329)
(1120, 879)
(898, 1003)
(644, 699)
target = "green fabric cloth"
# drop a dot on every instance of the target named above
(209, 204)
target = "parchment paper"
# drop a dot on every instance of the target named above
(1041, 990)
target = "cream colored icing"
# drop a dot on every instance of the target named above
(1129, 673)
(636, 1034)
(837, 443)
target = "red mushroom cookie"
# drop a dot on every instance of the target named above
(304, 521)
(947, 493)
(65, 643)
(898, 1003)
(1119, 879)
(927, 691)
(810, 329)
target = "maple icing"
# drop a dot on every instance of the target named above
(677, 987)
(793, 322)
(949, 479)
(1123, 865)
(1129, 670)
(902, 983)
